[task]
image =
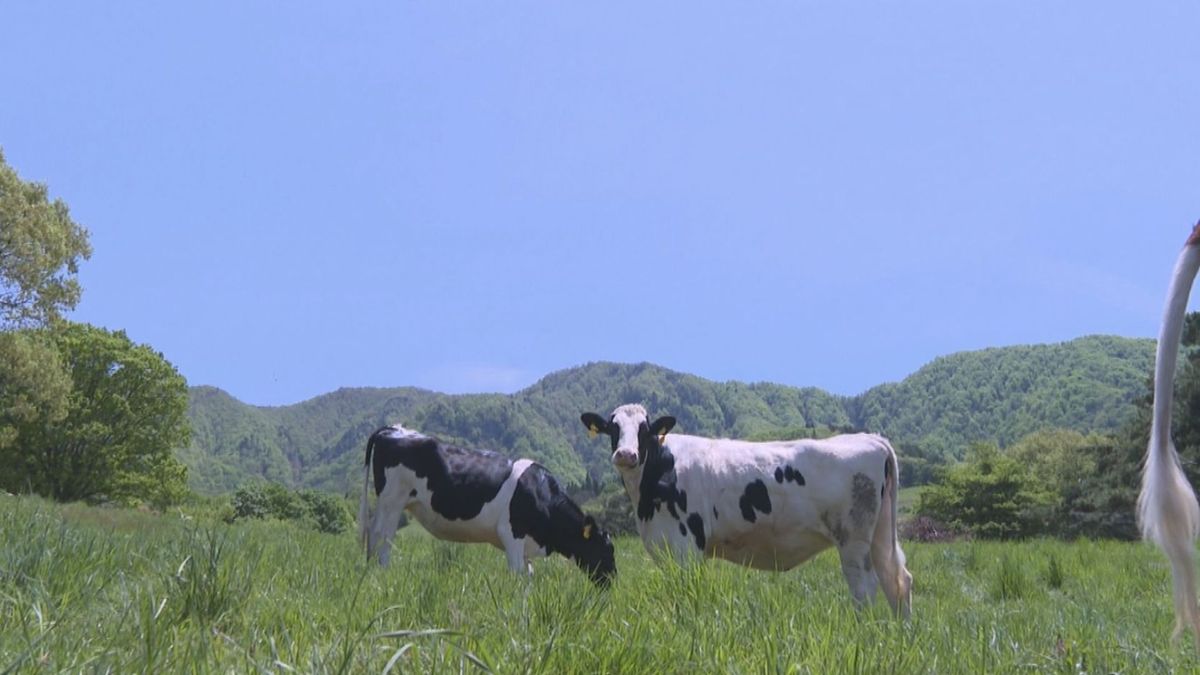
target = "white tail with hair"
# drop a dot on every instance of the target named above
(1168, 513)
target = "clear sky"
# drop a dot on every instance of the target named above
(287, 198)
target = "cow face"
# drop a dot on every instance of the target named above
(633, 436)
(596, 555)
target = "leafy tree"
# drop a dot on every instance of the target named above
(33, 383)
(40, 250)
(125, 416)
(1101, 504)
(990, 495)
(1057, 458)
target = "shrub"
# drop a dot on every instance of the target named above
(613, 511)
(318, 510)
(990, 495)
(326, 512)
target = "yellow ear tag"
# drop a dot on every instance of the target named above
(662, 439)
(592, 431)
(587, 531)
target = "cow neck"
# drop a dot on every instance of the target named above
(658, 484)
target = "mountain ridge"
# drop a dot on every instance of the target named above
(995, 394)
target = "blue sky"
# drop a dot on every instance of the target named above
(289, 198)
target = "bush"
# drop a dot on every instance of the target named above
(613, 511)
(319, 510)
(326, 512)
(989, 495)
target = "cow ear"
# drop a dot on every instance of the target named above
(661, 426)
(589, 524)
(594, 423)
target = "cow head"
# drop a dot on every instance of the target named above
(595, 554)
(633, 436)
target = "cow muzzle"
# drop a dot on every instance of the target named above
(625, 458)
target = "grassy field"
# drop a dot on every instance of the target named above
(94, 590)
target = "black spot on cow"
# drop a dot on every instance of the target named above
(413, 492)
(460, 481)
(793, 475)
(754, 498)
(658, 484)
(863, 503)
(715, 515)
(696, 524)
(682, 530)
(789, 475)
(540, 509)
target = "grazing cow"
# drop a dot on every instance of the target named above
(766, 505)
(1167, 510)
(476, 496)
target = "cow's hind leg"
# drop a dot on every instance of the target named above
(859, 571)
(383, 528)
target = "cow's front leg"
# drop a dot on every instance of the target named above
(663, 546)
(514, 550)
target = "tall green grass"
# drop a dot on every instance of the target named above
(107, 590)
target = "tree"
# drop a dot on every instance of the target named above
(990, 494)
(126, 414)
(40, 250)
(33, 384)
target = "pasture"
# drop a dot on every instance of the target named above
(93, 590)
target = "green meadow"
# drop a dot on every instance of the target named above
(86, 589)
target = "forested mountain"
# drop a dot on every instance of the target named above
(1004, 394)
(995, 395)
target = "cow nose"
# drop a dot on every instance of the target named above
(625, 457)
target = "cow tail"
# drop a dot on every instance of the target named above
(1167, 511)
(364, 507)
(895, 561)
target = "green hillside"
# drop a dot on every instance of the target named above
(1004, 394)
(995, 394)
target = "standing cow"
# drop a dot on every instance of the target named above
(476, 496)
(767, 505)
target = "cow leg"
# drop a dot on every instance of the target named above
(859, 571)
(514, 550)
(383, 528)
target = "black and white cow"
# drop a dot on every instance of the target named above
(766, 505)
(476, 496)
